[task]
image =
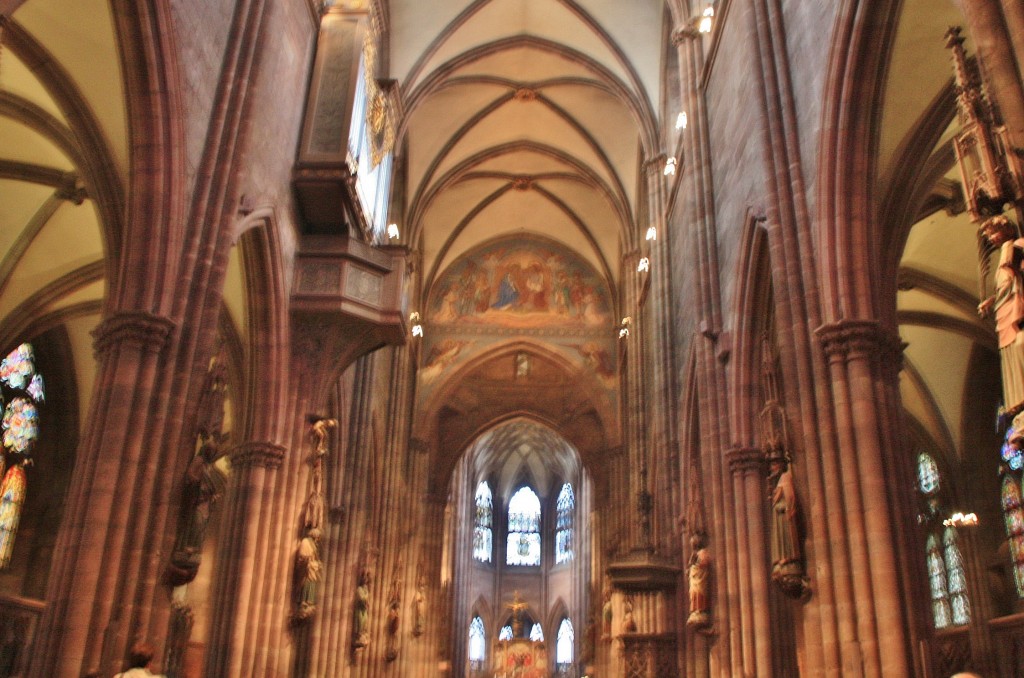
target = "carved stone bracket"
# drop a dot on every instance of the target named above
(138, 329)
(745, 460)
(262, 454)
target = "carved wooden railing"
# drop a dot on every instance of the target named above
(18, 620)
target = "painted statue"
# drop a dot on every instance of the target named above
(308, 574)
(361, 612)
(1007, 305)
(419, 608)
(699, 576)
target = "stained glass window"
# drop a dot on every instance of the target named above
(477, 641)
(537, 634)
(1011, 455)
(21, 394)
(955, 578)
(482, 535)
(937, 583)
(565, 508)
(505, 633)
(563, 645)
(12, 496)
(523, 528)
(1013, 515)
(927, 474)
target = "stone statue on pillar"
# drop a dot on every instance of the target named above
(784, 520)
(1007, 305)
(308, 574)
(308, 566)
(419, 608)
(361, 611)
(203, 484)
(606, 614)
(699, 575)
(786, 552)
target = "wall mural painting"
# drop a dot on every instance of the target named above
(513, 288)
(516, 284)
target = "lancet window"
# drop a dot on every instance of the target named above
(946, 579)
(21, 394)
(477, 644)
(523, 528)
(565, 508)
(482, 526)
(564, 646)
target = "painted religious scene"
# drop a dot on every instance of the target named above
(518, 283)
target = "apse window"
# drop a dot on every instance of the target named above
(21, 394)
(564, 647)
(523, 528)
(482, 534)
(565, 508)
(477, 644)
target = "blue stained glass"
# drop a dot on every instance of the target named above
(927, 474)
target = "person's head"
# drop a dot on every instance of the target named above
(140, 655)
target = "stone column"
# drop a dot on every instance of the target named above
(663, 399)
(634, 397)
(696, 193)
(746, 465)
(853, 349)
(108, 501)
(241, 582)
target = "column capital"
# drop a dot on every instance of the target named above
(257, 453)
(684, 33)
(844, 338)
(142, 330)
(745, 459)
(655, 164)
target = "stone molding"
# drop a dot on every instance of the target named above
(254, 453)
(745, 459)
(138, 329)
(856, 338)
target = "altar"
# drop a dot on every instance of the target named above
(520, 658)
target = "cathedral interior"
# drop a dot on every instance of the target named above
(512, 338)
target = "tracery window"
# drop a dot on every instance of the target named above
(937, 583)
(955, 578)
(477, 644)
(482, 532)
(505, 633)
(946, 579)
(21, 394)
(1013, 516)
(523, 528)
(564, 646)
(565, 507)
